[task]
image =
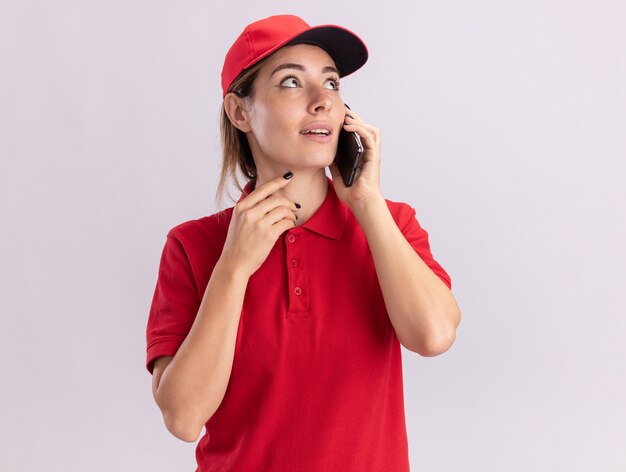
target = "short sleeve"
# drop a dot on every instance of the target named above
(175, 303)
(418, 238)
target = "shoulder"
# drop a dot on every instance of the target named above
(212, 228)
(401, 212)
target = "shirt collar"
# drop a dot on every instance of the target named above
(330, 218)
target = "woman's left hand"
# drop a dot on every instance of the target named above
(366, 184)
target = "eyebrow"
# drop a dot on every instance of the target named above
(291, 65)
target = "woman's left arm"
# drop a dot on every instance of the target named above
(422, 309)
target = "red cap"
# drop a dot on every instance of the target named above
(263, 37)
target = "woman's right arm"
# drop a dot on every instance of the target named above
(190, 386)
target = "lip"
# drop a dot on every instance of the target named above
(318, 138)
(318, 125)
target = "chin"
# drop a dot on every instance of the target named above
(326, 158)
(318, 161)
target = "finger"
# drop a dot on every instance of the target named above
(262, 192)
(354, 115)
(359, 122)
(271, 202)
(278, 214)
(368, 134)
(282, 226)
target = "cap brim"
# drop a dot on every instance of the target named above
(347, 50)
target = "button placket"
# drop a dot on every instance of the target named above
(297, 279)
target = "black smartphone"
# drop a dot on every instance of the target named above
(349, 151)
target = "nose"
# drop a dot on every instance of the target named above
(320, 100)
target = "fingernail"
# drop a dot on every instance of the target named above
(288, 175)
(298, 205)
(347, 106)
(347, 114)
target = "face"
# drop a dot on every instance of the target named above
(297, 88)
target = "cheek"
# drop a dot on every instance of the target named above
(273, 122)
(276, 129)
(262, 126)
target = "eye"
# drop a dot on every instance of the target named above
(294, 80)
(288, 78)
(335, 82)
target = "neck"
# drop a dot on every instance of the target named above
(309, 189)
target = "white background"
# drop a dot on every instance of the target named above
(502, 123)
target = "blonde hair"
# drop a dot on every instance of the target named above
(236, 152)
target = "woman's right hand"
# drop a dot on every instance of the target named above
(257, 222)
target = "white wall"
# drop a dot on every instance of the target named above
(502, 123)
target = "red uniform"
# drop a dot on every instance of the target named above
(316, 383)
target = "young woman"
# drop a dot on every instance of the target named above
(277, 323)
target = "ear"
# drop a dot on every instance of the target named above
(237, 112)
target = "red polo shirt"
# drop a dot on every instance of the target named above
(316, 383)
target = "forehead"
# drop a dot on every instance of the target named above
(300, 54)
